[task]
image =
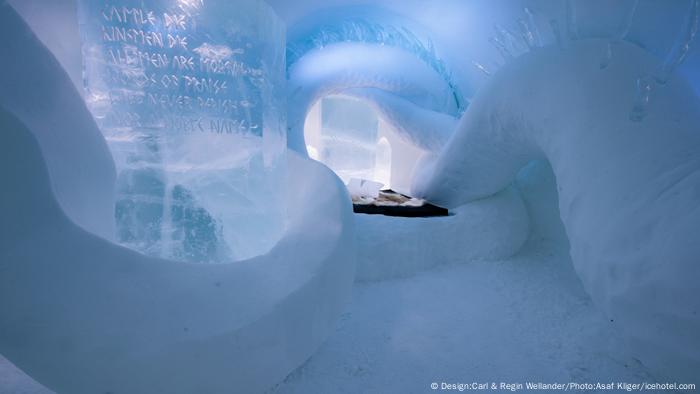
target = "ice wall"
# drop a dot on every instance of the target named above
(345, 66)
(626, 172)
(189, 96)
(465, 43)
(628, 188)
(82, 315)
(371, 25)
(55, 23)
(134, 323)
(423, 128)
(34, 87)
(348, 137)
(394, 247)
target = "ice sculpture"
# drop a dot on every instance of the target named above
(189, 95)
(423, 128)
(628, 190)
(82, 315)
(348, 140)
(346, 66)
(32, 83)
(382, 168)
(368, 25)
(383, 58)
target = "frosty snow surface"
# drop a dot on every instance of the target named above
(562, 135)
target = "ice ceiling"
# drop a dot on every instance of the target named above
(606, 92)
(348, 46)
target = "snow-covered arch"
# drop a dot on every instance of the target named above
(83, 315)
(345, 66)
(629, 191)
(423, 128)
(375, 55)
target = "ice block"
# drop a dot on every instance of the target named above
(189, 96)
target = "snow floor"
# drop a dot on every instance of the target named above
(522, 319)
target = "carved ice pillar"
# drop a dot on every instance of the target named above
(189, 95)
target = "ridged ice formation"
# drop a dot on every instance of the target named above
(378, 28)
(628, 190)
(349, 66)
(80, 314)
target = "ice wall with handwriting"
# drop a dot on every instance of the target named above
(187, 95)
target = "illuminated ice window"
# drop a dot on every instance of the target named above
(344, 133)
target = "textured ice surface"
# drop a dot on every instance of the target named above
(132, 323)
(189, 96)
(343, 66)
(348, 137)
(35, 88)
(628, 190)
(368, 25)
(489, 229)
(463, 29)
(82, 315)
(363, 188)
(425, 129)
(55, 23)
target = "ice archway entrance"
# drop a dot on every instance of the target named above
(606, 215)
(349, 136)
(384, 59)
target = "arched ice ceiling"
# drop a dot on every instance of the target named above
(460, 29)
(466, 41)
(459, 34)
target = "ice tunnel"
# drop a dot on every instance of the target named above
(272, 196)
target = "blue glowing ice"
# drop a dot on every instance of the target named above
(187, 95)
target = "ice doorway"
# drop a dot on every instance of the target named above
(348, 136)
